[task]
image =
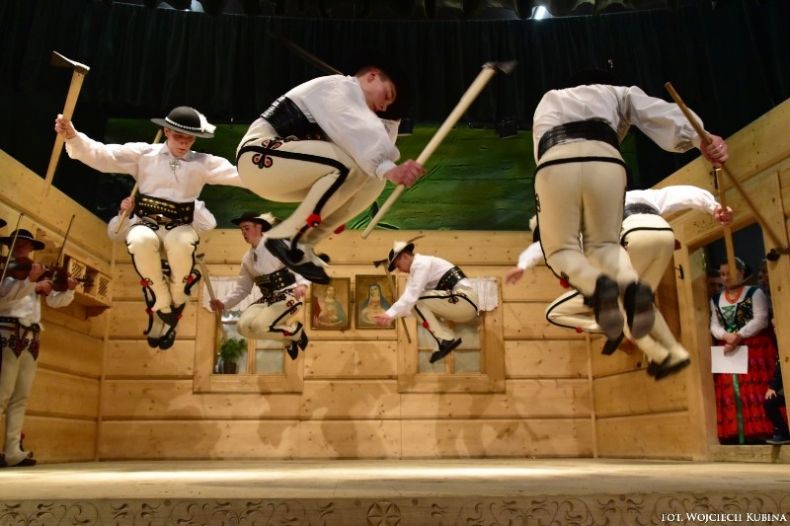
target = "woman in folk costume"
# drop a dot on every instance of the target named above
(739, 316)
(170, 177)
(436, 289)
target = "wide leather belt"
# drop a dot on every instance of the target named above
(269, 284)
(162, 212)
(592, 130)
(19, 337)
(289, 121)
(450, 278)
(639, 208)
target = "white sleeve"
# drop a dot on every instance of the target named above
(414, 287)
(678, 197)
(531, 257)
(760, 313)
(108, 158)
(203, 220)
(60, 299)
(14, 289)
(349, 123)
(392, 127)
(662, 121)
(242, 289)
(219, 170)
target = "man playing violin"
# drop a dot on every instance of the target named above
(24, 281)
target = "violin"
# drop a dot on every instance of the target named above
(20, 268)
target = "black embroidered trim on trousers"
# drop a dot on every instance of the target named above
(340, 167)
(637, 229)
(557, 305)
(591, 159)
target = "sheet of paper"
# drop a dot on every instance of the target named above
(735, 362)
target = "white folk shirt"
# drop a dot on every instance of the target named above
(27, 306)
(666, 200)
(674, 199)
(256, 262)
(156, 171)
(620, 107)
(425, 273)
(337, 104)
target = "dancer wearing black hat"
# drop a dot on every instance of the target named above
(170, 177)
(282, 291)
(325, 144)
(435, 289)
(20, 325)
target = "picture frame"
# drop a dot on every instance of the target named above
(371, 296)
(330, 305)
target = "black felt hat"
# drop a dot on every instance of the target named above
(22, 234)
(266, 220)
(187, 120)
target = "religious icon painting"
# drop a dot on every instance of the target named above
(372, 296)
(329, 305)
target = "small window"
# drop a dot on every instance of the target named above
(477, 365)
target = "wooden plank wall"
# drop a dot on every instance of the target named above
(676, 417)
(61, 419)
(350, 406)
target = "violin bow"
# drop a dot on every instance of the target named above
(11, 247)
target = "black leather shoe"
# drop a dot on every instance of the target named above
(607, 311)
(170, 320)
(293, 350)
(611, 345)
(445, 348)
(292, 258)
(26, 462)
(281, 249)
(302, 342)
(638, 305)
(672, 368)
(667, 368)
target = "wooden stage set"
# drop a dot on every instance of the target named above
(487, 492)
(536, 428)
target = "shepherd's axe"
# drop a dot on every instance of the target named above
(78, 75)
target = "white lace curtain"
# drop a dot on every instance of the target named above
(487, 292)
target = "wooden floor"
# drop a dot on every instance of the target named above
(435, 492)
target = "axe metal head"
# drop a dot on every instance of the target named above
(60, 61)
(505, 67)
(379, 262)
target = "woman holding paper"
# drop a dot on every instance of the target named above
(739, 317)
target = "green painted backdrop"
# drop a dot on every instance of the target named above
(475, 180)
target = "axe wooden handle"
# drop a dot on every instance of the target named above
(68, 111)
(705, 138)
(466, 100)
(729, 246)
